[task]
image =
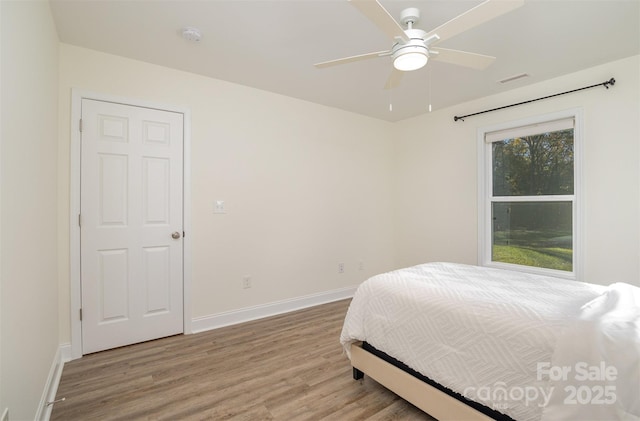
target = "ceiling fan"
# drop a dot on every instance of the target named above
(413, 47)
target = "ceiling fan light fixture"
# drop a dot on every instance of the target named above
(408, 59)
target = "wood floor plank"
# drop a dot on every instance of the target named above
(286, 367)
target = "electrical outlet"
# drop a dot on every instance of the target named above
(218, 206)
(360, 265)
(246, 282)
(340, 267)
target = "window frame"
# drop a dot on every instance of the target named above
(485, 194)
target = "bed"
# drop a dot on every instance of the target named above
(469, 342)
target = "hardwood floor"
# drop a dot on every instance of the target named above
(287, 367)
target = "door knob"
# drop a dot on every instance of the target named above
(175, 235)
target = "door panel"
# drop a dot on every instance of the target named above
(155, 198)
(113, 277)
(131, 203)
(113, 182)
(156, 270)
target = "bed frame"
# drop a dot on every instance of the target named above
(406, 383)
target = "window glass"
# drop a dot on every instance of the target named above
(537, 234)
(541, 164)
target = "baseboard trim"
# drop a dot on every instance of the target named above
(53, 380)
(66, 353)
(228, 318)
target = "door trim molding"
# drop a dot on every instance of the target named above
(77, 96)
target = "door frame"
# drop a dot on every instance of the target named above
(77, 96)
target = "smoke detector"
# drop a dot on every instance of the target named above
(191, 34)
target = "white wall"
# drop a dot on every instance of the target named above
(308, 186)
(305, 186)
(3, 404)
(28, 278)
(436, 179)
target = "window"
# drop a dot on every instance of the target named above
(527, 195)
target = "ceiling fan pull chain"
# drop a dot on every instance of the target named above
(429, 73)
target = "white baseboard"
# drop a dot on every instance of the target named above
(53, 380)
(65, 353)
(214, 321)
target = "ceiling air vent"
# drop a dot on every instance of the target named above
(514, 77)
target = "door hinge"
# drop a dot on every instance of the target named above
(80, 314)
(182, 234)
(79, 221)
(80, 126)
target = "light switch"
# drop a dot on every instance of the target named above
(218, 207)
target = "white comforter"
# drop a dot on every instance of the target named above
(600, 354)
(488, 334)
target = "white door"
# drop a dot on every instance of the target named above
(131, 206)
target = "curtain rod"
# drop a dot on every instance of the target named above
(606, 84)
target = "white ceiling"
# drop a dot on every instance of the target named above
(273, 44)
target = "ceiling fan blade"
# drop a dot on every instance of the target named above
(373, 10)
(394, 79)
(462, 58)
(350, 59)
(474, 17)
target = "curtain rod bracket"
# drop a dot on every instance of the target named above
(606, 84)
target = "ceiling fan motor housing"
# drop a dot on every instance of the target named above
(414, 45)
(414, 50)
